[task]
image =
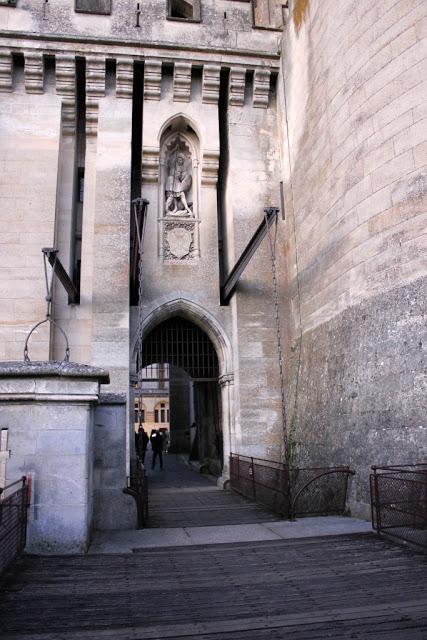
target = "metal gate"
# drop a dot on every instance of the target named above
(181, 343)
(14, 501)
(290, 492)
(399, 502)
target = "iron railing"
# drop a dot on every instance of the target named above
(290, 492)
(137, 488)
(14, 502)
(399, 502)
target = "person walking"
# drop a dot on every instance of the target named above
(156, 440)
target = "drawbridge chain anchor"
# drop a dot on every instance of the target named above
(49, 255)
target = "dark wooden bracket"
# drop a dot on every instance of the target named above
(228, 288)
(62, 275)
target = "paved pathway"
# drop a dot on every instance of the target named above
(340, 588)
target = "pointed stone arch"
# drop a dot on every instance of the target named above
(213, 329)
(177, 122)
(202, 318)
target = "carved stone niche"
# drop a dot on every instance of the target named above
(99, 7)
(178, 197)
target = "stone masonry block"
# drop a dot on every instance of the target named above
(34, 72)
(392, 170)
(261, 88)
(152, 79)
(182, 81)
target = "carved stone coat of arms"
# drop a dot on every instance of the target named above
(179, 240)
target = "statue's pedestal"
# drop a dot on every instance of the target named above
(48, 409)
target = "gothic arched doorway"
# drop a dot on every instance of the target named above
(188, 362)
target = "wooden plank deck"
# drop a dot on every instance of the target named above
(179, 497)
(357, 587)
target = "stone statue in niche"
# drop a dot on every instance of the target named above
(178, 184)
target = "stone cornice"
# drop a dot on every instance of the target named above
(49, 369)
(167, 51)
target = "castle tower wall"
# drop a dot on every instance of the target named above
(30, 131)
(354, 141)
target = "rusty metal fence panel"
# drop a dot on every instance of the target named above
(14, 501)
(290, 493)
(399, 502)
(319, 490)
(259, 480)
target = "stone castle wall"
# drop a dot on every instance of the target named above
(343, 128)
(355, 188)
(179, 66)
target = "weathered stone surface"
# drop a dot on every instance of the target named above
(101, 7)
(14, 369)
(112, 508)
(51, 441)
(30, 129)
(116, 20)
(355, 203)
(366, 403)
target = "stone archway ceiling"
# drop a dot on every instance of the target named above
(181, 343)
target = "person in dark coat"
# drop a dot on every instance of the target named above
(156, 440)
(142, 443)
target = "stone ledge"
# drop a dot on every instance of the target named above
(53, 369)
(140, 45)
(112, 398)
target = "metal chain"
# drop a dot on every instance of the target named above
(48, 285)
(139, 208)
(48, 317)
(140, 344)
(272, 243)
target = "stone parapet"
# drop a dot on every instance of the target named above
(15, 369)
(47, 408)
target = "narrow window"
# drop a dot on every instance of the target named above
(136, 413)
(184, 10)
(100, 7)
